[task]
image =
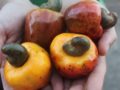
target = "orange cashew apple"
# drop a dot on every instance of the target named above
(28, 66)
(74, 55)
(89, 18)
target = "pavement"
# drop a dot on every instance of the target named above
(112, 79)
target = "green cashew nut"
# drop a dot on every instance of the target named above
(76, 46)
(108, 19)
(16, 54)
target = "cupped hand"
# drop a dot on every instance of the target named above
(95, 80)
(10, 30)
(106, 41)
(12, 17)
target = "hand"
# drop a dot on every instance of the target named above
(57, 83)
(93, 82)
(12, 17)
(96, 79)
(108, 38)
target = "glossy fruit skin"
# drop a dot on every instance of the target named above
(42, 25)
(69, 66)
(33, 74)
(85, 18)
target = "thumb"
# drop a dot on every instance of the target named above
(95, 80)
(106, 41)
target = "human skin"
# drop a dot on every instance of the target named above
(10, 32)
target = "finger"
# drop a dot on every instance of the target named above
(57, 82)
(106, 41)
(48, 87)
(96, 79)
(67, 84)
(78, 85)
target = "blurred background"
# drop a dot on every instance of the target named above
(112, 79)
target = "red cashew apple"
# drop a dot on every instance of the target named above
(74, 55)
(42, 25)
(89, 18)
